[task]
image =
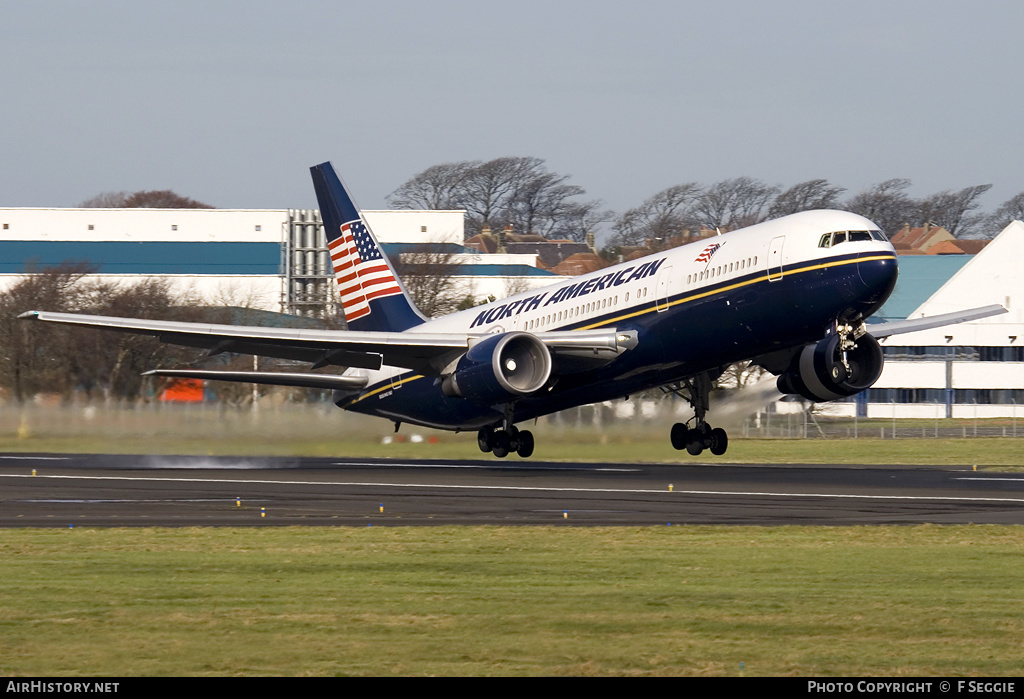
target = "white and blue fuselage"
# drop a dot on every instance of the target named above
(699, 307)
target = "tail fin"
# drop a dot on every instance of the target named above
(372, 296)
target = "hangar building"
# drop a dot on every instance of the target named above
(973, 369)
(272, 259)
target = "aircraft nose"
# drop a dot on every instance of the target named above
(878, 278)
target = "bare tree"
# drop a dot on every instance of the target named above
(145, 199)
(951, 209)
(886, 204)
(33, 357)
(491, 187)
(437, 187)
(578, 219)
(428, 274)
(113, 364)
(539, 203)
(105, 200)
(1011, 210)
(666, 214)
(806, 196)
(735, 203)
(500, 192)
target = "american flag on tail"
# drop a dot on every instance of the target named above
(360, 269)
(708, 252)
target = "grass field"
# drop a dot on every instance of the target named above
(798, 601)
(329, 432)
(907, 601)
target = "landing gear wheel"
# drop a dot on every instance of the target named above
(694, 442)
(525, 448)
(719, 441)
(485, 439)
(679, 436)
(501, 444)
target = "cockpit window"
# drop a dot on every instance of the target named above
(833, 239)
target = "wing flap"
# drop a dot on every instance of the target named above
(272, 378)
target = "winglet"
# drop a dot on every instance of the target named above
(372, 296)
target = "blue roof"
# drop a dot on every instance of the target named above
(149, 257)
(395, 249)
(191, 257)
(503, 271)
(920, 277)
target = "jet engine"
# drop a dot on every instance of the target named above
(500, 368)
(833, 368)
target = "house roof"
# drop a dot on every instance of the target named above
(958, 247)
(551, 253)
(580, 263)
(920, 238)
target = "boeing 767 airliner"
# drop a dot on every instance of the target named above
(791, 294)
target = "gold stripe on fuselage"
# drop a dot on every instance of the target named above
(738, 285)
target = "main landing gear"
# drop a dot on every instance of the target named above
(696, 439)
(502, 442)
(702, 435)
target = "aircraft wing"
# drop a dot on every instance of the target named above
(427, 353)
(898, 327)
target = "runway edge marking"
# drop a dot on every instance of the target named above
(646, 491)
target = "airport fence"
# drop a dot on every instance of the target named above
(286, 422)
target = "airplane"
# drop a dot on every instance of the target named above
(790, 294)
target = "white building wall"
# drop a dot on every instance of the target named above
(988, 375)
(993, 276)
(214, 225)
(401, 226)
(912, 375)
(931, 411)
(143, 225)
(223, 225)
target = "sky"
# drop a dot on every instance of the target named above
(230, 102)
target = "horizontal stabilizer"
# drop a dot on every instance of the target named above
(272, 378)
(898, 327)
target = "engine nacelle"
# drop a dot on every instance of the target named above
(818, 372)
(500, 368)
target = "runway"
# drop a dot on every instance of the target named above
(118, 490)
